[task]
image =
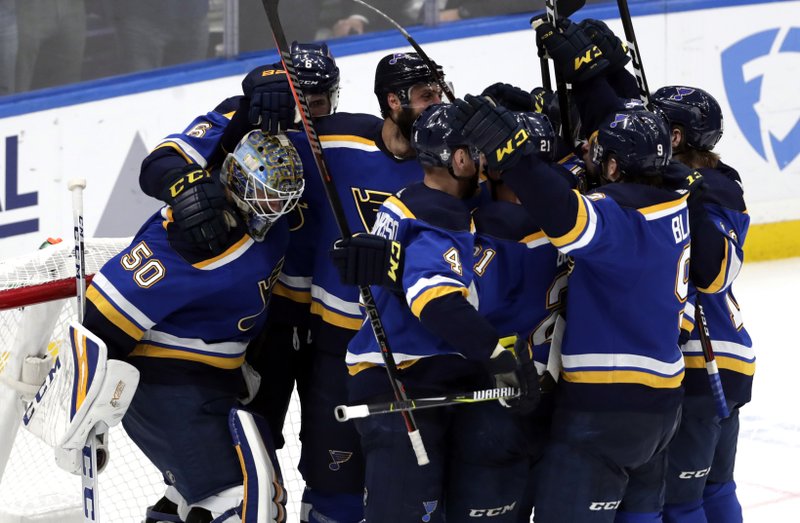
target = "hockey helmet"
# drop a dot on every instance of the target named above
(541, 132)
(696, 110)
(264, 175)
(317, 72)
(639, 140)
(435, 140)
(397, 73)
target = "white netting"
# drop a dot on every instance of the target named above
(32, 487)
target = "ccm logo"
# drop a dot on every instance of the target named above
(491, 512)
(604, 505)
(692, 474)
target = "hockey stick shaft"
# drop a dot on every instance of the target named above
(348, 412)
(439, 79)
(633, 49)
(76, 187)
(711, 363)
(271, 8)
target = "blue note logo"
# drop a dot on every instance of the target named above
(762, 98)
(338, 457)
(430, 507)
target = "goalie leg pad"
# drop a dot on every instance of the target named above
(264, 495)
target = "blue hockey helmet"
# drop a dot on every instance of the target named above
(696, 110)
(397, 73)
(264, 176)
(542, 134)
(435, 140)
(638, 139)
(317, 72)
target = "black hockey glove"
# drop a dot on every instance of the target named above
(493, 130)
(367, 259)
(516, 369)
(200, 210)
(511, 97)
(613, 49)
(271, 101)
(574, 54)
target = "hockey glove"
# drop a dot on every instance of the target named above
(574, 54)
(367, 259)
(271, 101)
(511, 97)
(199, 208)
(613, 49)
(515, 371)
(493, 130)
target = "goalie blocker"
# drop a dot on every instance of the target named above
(83, 390)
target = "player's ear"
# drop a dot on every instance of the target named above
(612, 169)
(677, 137)
(393, 101)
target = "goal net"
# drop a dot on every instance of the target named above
(37, 302)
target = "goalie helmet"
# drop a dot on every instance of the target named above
(435, 140)
(264, 175)
(397, 73)
(639, 140)
(541, 132)
(317, 72)
(696, 110)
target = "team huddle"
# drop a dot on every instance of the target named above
(500, 253)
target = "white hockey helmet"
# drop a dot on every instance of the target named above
(264, 175)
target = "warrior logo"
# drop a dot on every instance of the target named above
(763, 103)
(338, 457)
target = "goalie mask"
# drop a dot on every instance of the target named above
(264, 176)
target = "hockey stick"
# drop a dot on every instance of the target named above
(554, 10)
(711, 363)
(271, 7)
(348, 412)
(76, 187)
(439, 79)
(89, 468)
(633, 49)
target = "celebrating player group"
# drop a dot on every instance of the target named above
(567, 254)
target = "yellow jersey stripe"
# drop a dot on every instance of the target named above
(113, 314)
(230, 250)
(748, 368)
(153, 351)
(661, 207)
(173, 145)
(346, 138)
(358, 367)
(334, 318)
(581, 220)
(427, 295)
(616, 377)
(719, 282)
(394, 203)
(296, 296)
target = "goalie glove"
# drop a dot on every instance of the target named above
(368, 259)
(200, 209)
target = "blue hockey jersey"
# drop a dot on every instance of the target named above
(435, 231)
(733, 348)
(364, 174)
(150, 301)
(627, 290)
(520, 277)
